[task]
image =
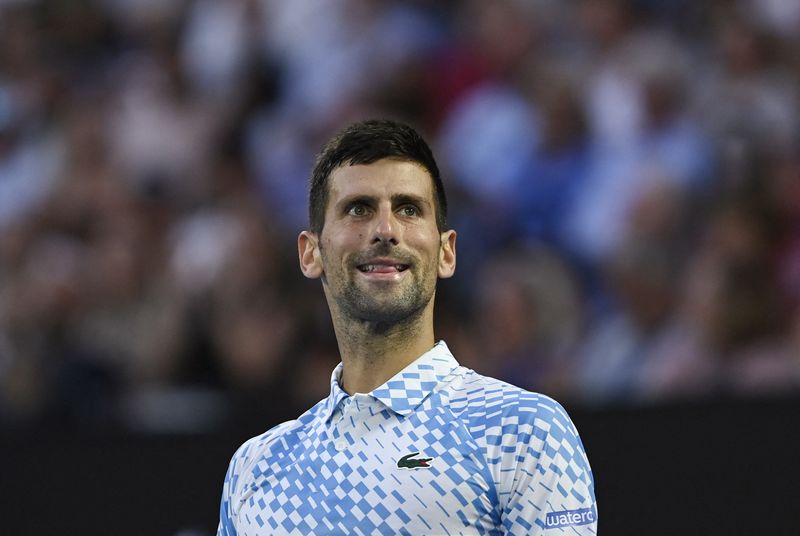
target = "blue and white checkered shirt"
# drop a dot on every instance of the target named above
(437, 449)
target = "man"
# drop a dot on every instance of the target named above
(408, 442)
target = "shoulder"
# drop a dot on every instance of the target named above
(503, 418)
(262, 442)
(247, 456)
(530, 444)
(476, 396)
(274, 442)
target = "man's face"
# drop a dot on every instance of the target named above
(380, 252)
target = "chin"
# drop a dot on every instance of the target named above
(386, 311)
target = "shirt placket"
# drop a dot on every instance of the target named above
(349, 423)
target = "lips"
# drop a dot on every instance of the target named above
(382, 267)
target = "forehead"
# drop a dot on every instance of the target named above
(382, 179)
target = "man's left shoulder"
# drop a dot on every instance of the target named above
(502, 399)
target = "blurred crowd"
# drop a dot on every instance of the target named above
(624, 176)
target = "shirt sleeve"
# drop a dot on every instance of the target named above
(232, 492)
(548, 484)
(226, 523)
(234, 489)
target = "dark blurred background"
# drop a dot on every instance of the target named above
(624, 176)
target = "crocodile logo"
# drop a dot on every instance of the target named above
(409, 462)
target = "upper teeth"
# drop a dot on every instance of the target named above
(373, 267)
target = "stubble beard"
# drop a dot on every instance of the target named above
(384, 306)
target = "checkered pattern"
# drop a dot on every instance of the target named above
(501, 459)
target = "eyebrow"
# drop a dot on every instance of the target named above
(410, 199)
(397, 199)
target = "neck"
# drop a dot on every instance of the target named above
(373, 352)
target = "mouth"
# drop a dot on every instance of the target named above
(379, 268)
(383, 268)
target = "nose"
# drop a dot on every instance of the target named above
(385, 227)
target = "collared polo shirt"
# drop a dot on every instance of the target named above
(437, 449)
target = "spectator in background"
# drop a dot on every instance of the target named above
(528, 318)
(747, 92)
(650, 139)
(643, 275)
(731, 330)
(750, 325)
(546, 189)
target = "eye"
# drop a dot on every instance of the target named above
(409, 211)
(357, 209)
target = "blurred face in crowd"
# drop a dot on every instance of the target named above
(380, 251)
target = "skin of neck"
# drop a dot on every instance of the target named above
(373, 352)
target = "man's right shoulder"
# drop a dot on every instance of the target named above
(280, 437)
(263, 441)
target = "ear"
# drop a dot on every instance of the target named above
(447, 254)
(310, 258)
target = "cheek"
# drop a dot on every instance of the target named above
(430, 240)
(429, 250)
(340, 245)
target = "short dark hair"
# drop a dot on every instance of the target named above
(367, 142)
